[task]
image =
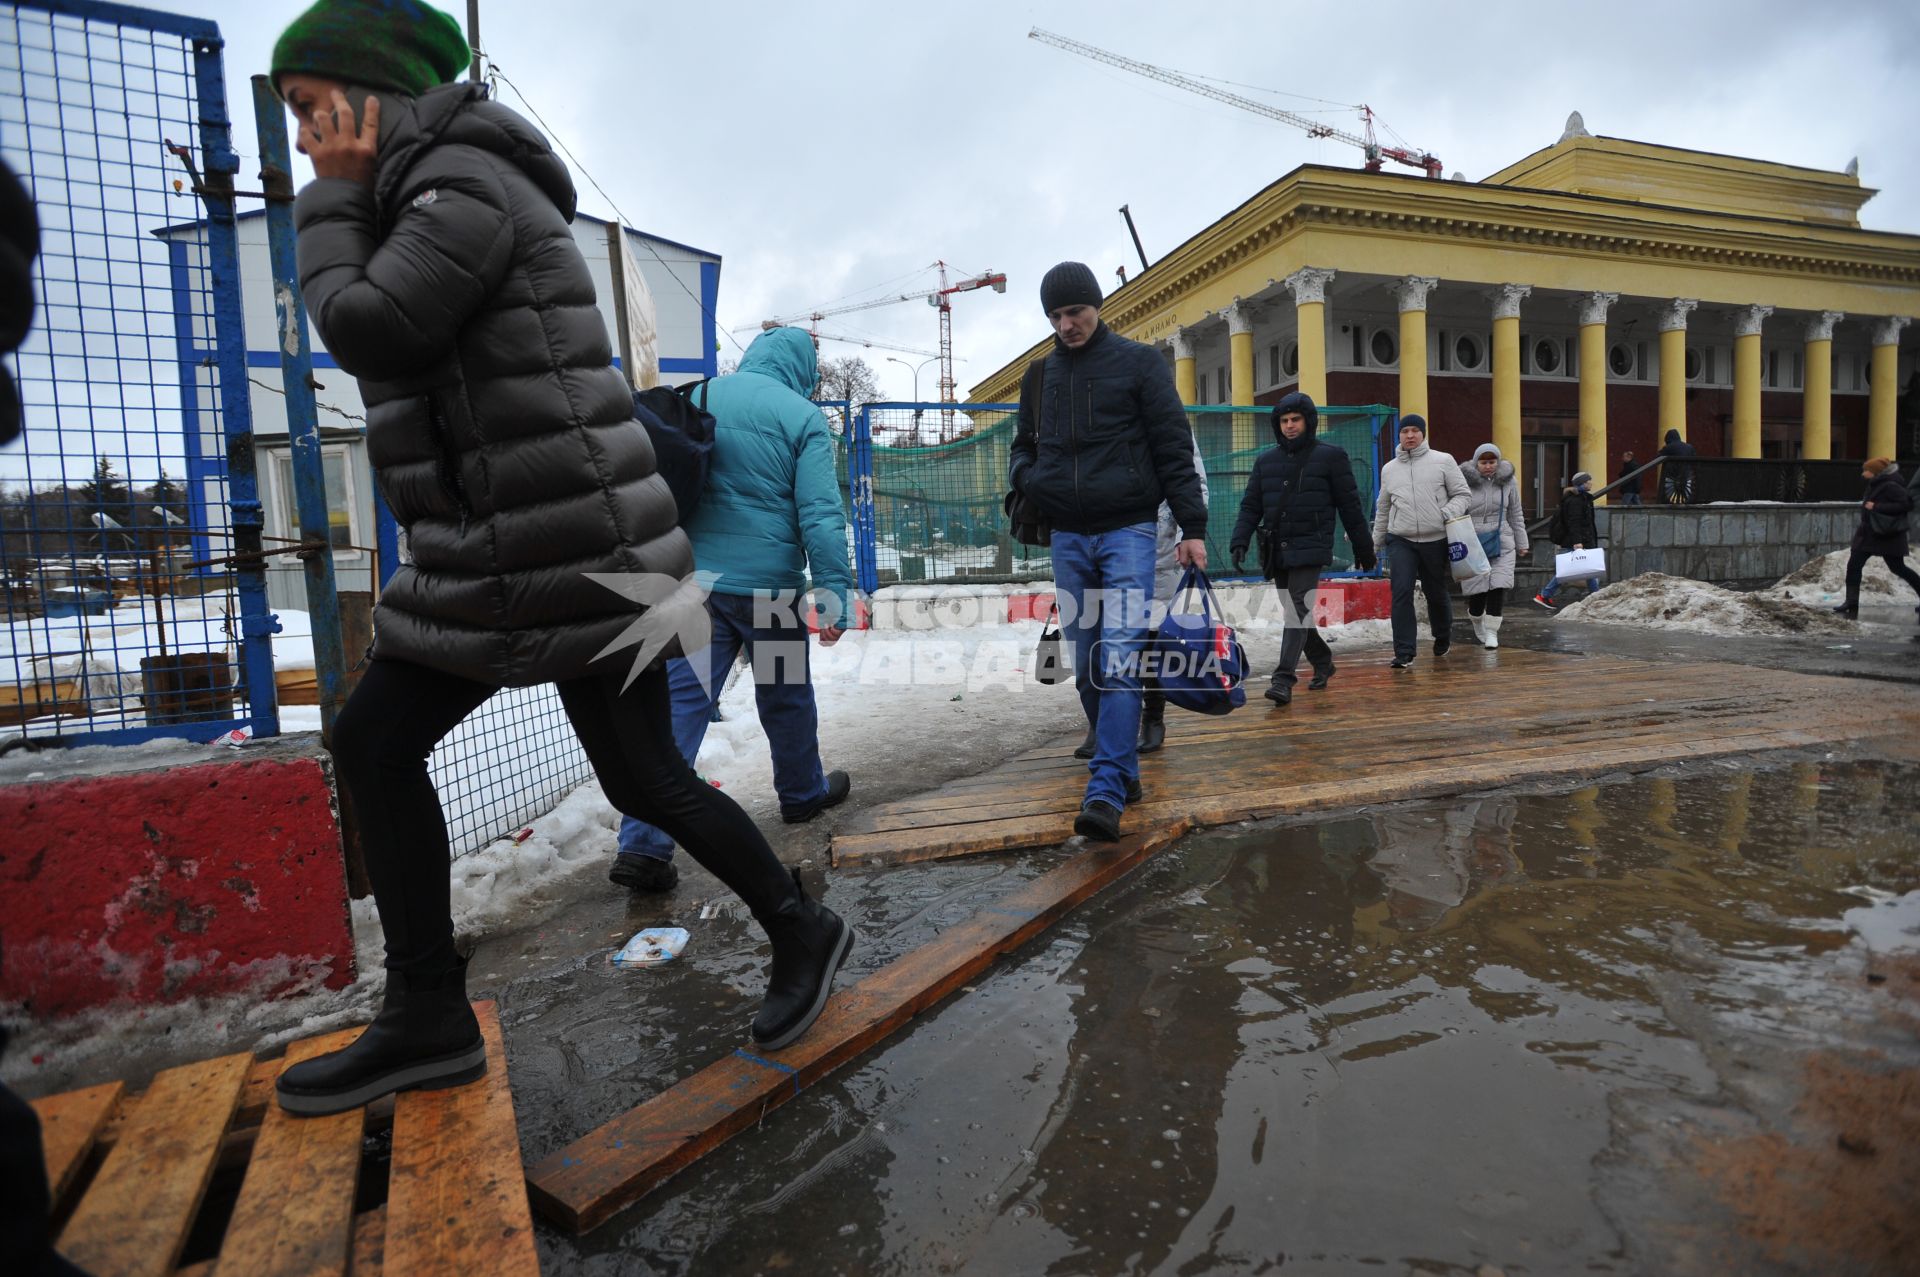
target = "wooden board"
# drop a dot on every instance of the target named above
(69, 1125)
(134, 1217)
(294, 1214)
(1379, 735)
(456, 1202)
(585, 1183)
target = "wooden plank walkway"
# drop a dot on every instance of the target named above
(131, 1174)
(1469, 720)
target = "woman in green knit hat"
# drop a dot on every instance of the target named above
(439, 267)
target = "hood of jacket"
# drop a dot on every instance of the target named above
(1304, 405)
(1470, 471)
(787, 356)
(462, 115)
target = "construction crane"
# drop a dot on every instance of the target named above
(1376, 154)
(868, 342)
(940, 299)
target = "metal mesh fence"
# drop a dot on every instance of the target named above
(936, 506)
(137, 431)
(510, 761)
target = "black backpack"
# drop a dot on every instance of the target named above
(682, 434)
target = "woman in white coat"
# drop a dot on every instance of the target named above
(1493, 501)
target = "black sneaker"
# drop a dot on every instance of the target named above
(1400, 663)
(1133, 791)
(1280, 694)
(637, 872)
(1851, 613)
(837, 787)
(1088, 747)
(1442, 645)
(1318, 683)
(1098, 821)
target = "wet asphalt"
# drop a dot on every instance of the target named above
(1500, 1032)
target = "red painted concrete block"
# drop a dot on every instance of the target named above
(156, 886)
(1029, 607)
(1354, 599)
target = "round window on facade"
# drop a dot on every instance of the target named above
(1290, 359)
(1620, 361)
(1546, 355)
(1694, 363)
(1385, 348)
(1467, 353)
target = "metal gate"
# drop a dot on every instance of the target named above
(124, 505)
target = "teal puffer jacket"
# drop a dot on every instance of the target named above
(772, 507)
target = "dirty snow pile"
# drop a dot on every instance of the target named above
(1654, 600)
(1800, 602)
(1822, 582)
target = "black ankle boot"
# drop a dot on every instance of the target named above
(810, 941)
(424, 1038)
(1153, 726)
(1090, 746)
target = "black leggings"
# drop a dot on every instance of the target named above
(1489, 602)
(390, 725)
(1857, 566)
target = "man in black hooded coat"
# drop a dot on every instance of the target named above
(1295, 492)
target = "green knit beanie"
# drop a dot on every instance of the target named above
(401, 45)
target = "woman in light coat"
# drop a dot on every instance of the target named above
(1493, 501)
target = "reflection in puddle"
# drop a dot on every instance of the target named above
(1389, 1039)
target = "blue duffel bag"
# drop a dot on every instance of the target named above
(1198, 660)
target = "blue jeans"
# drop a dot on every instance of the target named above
(1105, 584)
(1553, 587)
(782, 688)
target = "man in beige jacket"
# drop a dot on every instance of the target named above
(1420, 489)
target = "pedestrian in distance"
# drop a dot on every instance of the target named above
(1573, 528)
(769, 513)
(1676, 475)
(1102, 439)
(1420, 489)
(1298, 489)
(1493, 502)
(1886, 516)
(440, 269)
(1629, 489)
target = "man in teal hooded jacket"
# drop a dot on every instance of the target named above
(770, 511)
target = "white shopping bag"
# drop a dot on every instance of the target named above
(1465, 555)
(1578, 565)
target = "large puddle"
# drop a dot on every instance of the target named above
(1394, 1041)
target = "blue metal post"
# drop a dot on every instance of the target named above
(303, 425)
(257, 622)
(860, 484)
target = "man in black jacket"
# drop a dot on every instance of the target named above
(1676, 476)
(1102, 440)
(1296, 490)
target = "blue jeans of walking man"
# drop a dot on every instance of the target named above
(1105, 584)
(771, 631)
(1552, 587)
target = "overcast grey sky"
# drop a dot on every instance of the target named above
(827, 149)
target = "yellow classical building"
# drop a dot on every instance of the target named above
(1572, 306)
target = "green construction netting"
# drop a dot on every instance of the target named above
(937, 507)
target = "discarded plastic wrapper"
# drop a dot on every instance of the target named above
(237, 737)
(652, 947)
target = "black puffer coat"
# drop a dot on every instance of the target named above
(1295, 492)
(502, 435)
(1893, 502)
(1108, 441)
(1573, 523)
